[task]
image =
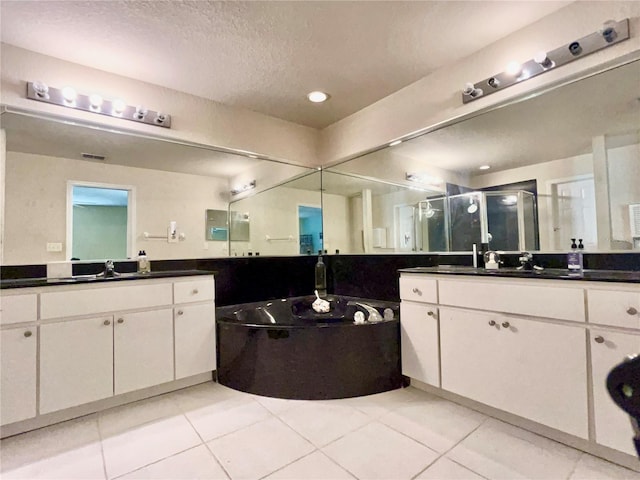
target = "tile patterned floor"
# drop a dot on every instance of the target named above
(212, 432)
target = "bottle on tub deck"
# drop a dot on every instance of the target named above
(143, 262)
(321, 276)
(574, 258)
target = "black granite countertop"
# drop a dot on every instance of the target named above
(84, 279)
(625, 276)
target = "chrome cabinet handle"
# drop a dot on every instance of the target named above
(417, 290)
(28, 333)
(430, 313)
(506, 324)
(121, 320)
(180, 312)
(632, 311)
(107, 322)
(195, 291)
(492, 323)
(599, 339)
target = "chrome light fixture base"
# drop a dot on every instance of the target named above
(95, 104)
(611, 34)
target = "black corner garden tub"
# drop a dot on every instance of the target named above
(282, 348)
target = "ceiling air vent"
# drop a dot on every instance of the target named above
(91, 156)
(634, 218)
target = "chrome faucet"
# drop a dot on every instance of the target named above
(526, 262)
(109, 270)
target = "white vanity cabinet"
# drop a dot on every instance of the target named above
(533, 369)
(18, 356)
(195, 339)
(142, 349)
(608, 349)
(537, 348)
(76, 362)
(18, 348)
(80, 345)
(419, 344)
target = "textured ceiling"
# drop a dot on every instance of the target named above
(266, 56)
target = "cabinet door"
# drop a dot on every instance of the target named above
(18, 374)
(612, 425)
(143, 349)
(419, 342)
(195, 333)
(533, 369)
(76, 363)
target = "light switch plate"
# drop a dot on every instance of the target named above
(54, 247)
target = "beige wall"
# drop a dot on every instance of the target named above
(436, 98)
(36, 192)
(193, 118)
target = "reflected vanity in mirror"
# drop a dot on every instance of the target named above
(530, 175)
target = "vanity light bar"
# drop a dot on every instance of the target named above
(244, 188)
(611, 33)
(67, 97)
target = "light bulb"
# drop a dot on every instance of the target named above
(317, 96)
(141, 112)
(41, 89)
(608, 31)
(95, 100)
(119, 106)
(69, 94)
(542, 59)
(514, 69)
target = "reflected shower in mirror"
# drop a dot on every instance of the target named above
(575, 149)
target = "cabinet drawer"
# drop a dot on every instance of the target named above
(564, 303)
(18, 308)
(614, 307)
(68, 303)
(418, 288)
(194, 290)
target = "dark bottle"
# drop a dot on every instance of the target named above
(580, 245)
(573, 244)
(321, 276)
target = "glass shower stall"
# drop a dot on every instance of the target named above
(505, 219)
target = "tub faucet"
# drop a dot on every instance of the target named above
(374, 316)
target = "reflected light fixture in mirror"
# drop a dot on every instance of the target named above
(243, 188)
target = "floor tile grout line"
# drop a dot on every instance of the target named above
(441, 455)
(104, 460)
(575, 465)
(205, 443)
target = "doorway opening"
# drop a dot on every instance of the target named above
(99, 221)
(310, 229)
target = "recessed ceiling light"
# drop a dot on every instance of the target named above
(484, 167)
(395, 142)
(317, 96)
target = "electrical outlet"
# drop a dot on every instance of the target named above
(54, 247)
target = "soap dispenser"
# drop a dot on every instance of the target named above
(574, 258)
(143, 262)
(321, 276)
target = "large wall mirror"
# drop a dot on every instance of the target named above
(562, 164)
(170, 182)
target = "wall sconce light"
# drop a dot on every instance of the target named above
(70, 98)
(243, 188)
(611, 33)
